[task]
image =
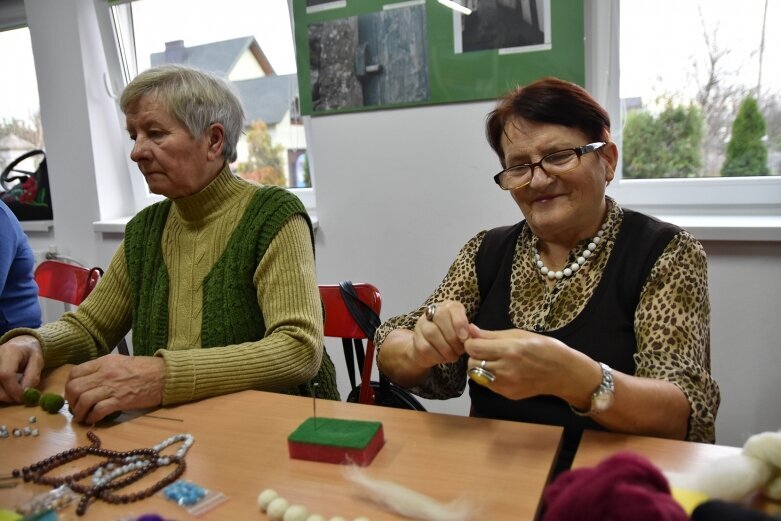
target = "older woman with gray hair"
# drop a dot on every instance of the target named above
(217, 281)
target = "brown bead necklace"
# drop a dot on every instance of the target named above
(118, 470)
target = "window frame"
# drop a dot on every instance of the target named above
(700, 197)
(748, 196)
(141, 195)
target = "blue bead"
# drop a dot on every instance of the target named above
(184, 493)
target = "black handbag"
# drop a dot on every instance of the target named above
(384, 392)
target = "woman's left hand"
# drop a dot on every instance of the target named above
(527, 364)
(112, 383)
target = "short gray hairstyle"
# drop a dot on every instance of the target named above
(196, 98)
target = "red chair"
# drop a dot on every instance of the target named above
(69, 283)
(65, 282)
(339, 323)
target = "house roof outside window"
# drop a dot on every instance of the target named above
(264, 94)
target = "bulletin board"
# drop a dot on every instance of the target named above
(357, 55)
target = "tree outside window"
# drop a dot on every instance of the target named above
(746, 151)
(710, 120)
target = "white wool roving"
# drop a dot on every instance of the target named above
(734, 477)
(409, 503)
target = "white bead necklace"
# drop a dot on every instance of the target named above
(575, 266)
(112, 471)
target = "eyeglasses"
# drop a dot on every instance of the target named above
(555, 163)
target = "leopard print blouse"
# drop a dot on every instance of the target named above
(672, 319)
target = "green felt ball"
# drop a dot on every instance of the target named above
(52, 402)
(31, 396)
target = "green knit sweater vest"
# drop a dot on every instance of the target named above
(231, 314)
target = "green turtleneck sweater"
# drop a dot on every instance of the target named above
(195, 235)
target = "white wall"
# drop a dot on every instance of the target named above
(247, 68)
(398, 193)
(745, 284)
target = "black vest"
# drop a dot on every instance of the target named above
(604, 330)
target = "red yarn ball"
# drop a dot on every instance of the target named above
(625, 486)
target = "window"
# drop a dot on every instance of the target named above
(20, 117)
(705, 102)
(697, 120)
(247, 42)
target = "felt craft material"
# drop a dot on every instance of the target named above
(688, 499)
(409, 503)
(296, 513)
(51, 402)
(31, 396)
(315, 517)
(276, 509)
(717, 510)
(624, 486)
(9, 515)
(266, 497)
(732, 478)
(332, 440)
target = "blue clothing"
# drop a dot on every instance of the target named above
(19, 305)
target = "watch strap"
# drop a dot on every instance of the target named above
(607, 385)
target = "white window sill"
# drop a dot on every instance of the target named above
(110, 226)
(37, 226)
(728, 227)
(704, 228)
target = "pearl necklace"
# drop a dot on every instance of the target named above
(575, 266)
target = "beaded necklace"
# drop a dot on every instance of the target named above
(575, 266)
(118, 470)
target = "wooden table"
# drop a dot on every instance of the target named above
(668, 455)
(241, 448)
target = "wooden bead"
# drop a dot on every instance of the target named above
(107, 482)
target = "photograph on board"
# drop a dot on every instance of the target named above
(504, 25)
(367, 60)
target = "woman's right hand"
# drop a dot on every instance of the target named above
(20, 355)
(439, 337)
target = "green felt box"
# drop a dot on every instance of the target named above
(334, 440)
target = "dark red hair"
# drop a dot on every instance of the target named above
(548, 100)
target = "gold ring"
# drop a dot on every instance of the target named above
(430, 310)
(481, 376)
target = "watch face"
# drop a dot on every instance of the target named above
(603, 400)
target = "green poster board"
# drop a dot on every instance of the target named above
(356, 55)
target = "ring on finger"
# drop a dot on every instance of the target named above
(481, 375)
(430, 310)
